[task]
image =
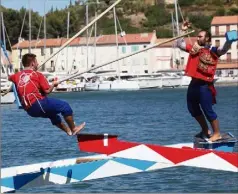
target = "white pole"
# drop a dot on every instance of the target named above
(95, 39)
(87, 31)
(126, 56)
(176, 14)
(67, 66)
(80, 32)
(117, 48)
(3, 32)
(44, 33)
(29, 26)
(68, 18)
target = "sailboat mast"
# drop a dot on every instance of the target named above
(117, 50)
(44, 32)
(67, 39)
(176, 14)
(3, 32)
(87, 31)
(29, 26)
(95, 35)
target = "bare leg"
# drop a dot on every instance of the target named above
(70, 121)
(74, 129)
(203, 123)
(64, 128)
(216, 131)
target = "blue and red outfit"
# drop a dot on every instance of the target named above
(31, 87)
(201, 92)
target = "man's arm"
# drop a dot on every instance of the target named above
(54, 84)
(231, 36)
(180, 43)
(44, 85)
(223, 49)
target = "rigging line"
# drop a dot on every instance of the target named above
(57, 56)
(38, 35)
(8, 39)
(121, 30)
(24, 18)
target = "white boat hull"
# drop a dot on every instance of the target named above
(112, 85)
(9, 98)
(148, 82)
(171, 82)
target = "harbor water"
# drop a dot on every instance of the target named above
(150, 116)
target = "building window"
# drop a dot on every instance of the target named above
(134, 48)
(52, 63)
(227, 28)
(217, 43)
(136, 61)
(182, 60)
(145, 61)
(124, 71)
(123, 49)
(3, 70)
(218, 73)
(146, 71)
(51, 50)
(42, 51)
(216, 30)
(228, 57)
(62, 65)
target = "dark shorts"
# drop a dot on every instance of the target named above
(50, 108)
(199, 96)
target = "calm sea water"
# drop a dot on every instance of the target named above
(148, 116)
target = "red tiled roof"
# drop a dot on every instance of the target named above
(57, 42)
(128, 38)
(101, 40)
(223, 20)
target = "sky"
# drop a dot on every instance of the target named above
(36, 5)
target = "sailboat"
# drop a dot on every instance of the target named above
(6, 69)
(114, 82)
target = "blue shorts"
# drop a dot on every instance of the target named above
(50, 108)
(199, 96)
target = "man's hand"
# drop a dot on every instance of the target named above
(55, 83)
(186, 24)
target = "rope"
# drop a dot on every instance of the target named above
(38, 35)
(125, 56)
(121, 29)
(8, 39)
(22, 28)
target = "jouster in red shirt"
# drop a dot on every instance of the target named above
(202, 65)
(31, 86)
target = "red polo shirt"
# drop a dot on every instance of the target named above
(31, 85)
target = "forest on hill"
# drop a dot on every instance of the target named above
(135, 16)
